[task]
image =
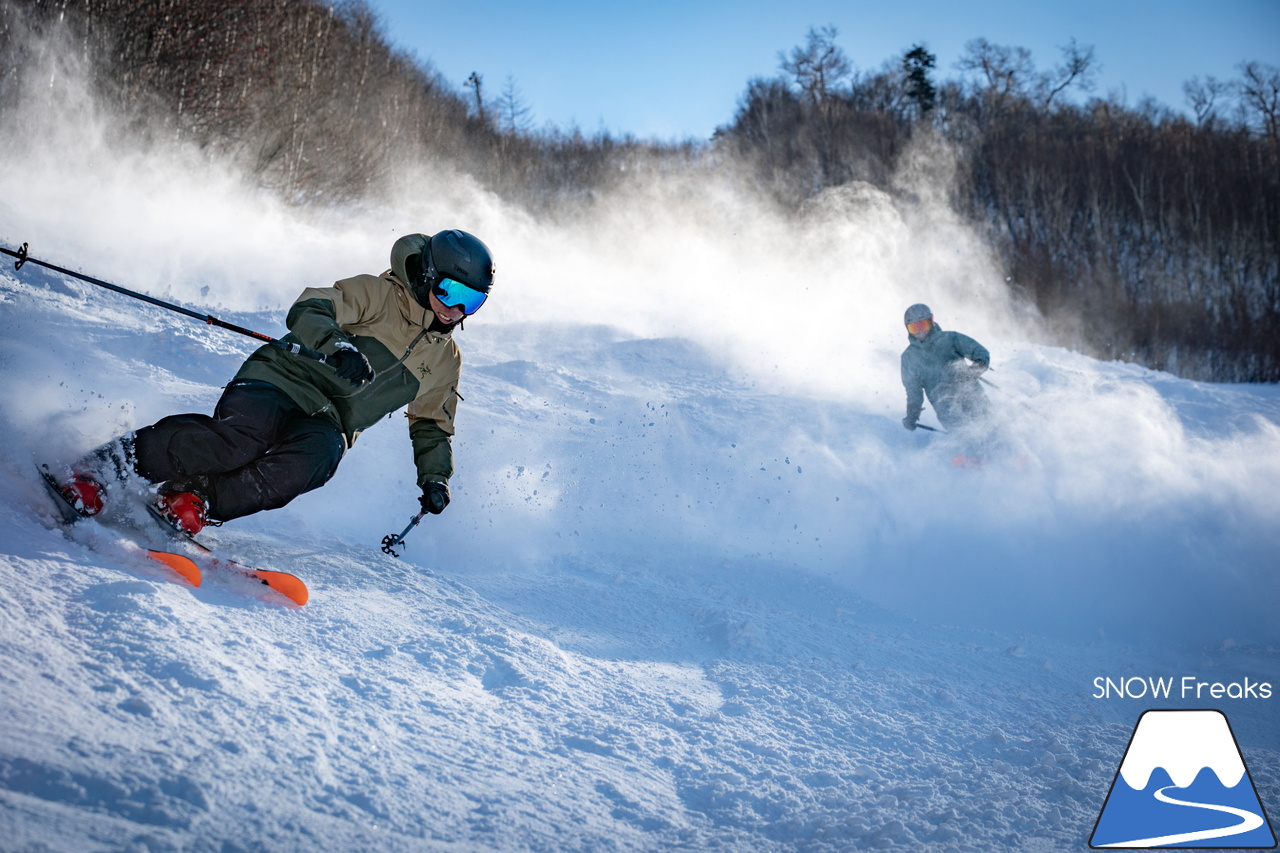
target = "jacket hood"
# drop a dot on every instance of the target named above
(406, 258)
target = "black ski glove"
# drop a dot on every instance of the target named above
(350, 364)
(435, 497)
(978, 368)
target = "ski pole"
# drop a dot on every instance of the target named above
(1014, 398)
(929, 428)
(390, 542)
(297, 349)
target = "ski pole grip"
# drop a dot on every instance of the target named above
(305, 352)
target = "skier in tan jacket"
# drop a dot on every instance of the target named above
(284, 422)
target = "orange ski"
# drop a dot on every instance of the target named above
(185, 567)
(290, 586)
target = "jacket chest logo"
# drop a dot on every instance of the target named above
(423, 370)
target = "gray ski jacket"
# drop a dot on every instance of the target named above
(937, 366)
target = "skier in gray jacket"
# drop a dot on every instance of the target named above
(945, 366)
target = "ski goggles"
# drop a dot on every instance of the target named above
(456, 294)
(919, 327)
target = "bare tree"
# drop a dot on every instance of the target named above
(1202, 96)
(819, 66)
(1260, 94)
(514, 114)
(1007, 72)
(1077, 69)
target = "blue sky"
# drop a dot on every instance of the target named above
(669, 69)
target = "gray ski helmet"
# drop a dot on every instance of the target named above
(916, 313)
(421, 262)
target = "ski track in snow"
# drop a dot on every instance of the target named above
(666, 610)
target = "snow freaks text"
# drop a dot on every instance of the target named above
(1187, 687)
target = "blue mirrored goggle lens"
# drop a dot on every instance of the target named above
(455, 294)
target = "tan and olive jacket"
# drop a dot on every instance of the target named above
(413, 367)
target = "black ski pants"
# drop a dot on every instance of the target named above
(259, 451)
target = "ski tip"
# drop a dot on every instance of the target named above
(185, 567)
(284, 583)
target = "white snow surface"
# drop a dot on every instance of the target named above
(666, 608)
(697, 589)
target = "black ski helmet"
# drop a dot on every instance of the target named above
(421, 262)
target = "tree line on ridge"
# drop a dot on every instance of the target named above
(1140, 233)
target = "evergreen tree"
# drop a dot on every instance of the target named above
(916, 63)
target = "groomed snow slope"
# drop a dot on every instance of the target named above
(642, 624)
